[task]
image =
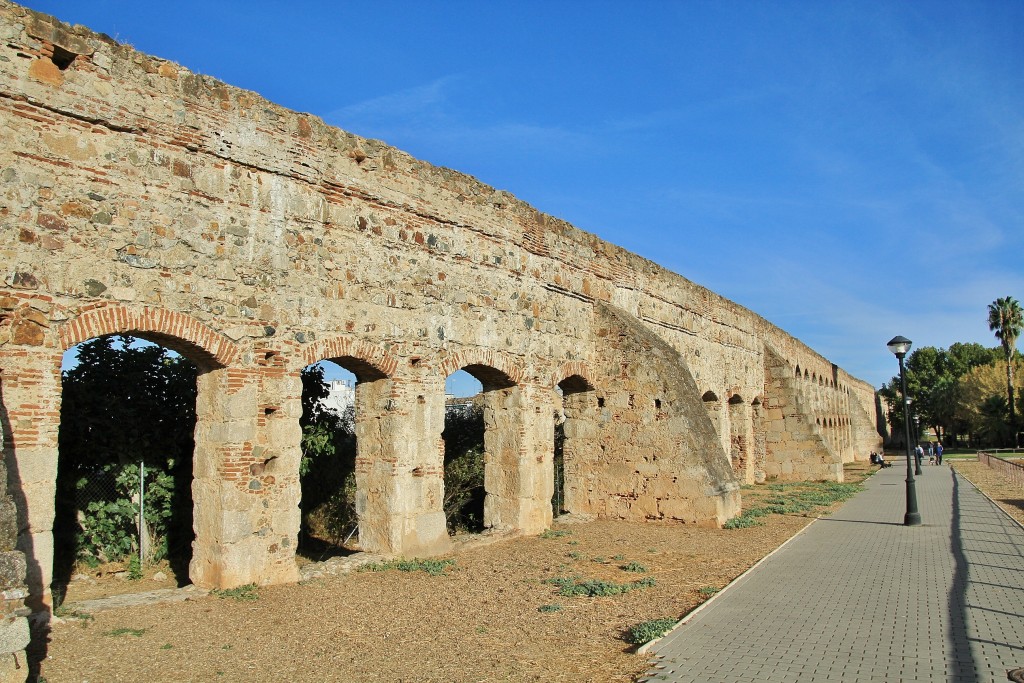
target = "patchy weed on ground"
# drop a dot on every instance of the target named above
(646, 631)
(432, 567)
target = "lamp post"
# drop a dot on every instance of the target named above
(899, 347)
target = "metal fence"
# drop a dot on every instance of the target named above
(111, 511)
(995, 459)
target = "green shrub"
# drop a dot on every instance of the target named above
(634, 567)
(742, 522)
(646, 631)
(708, 591)
(555, 533)
(547, 609)
(596, 588)
(431, 567)
(246, 592)
(137, 632)
(134, 568)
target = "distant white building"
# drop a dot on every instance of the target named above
(459, 405)
(341, 394)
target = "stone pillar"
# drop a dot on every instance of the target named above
(504, 435)
(400, 466)
(758, 451)
(245, 486)
(14, 630)
(740, 438)
(534, 467)
(30, 418)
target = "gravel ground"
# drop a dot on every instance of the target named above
(481, 620)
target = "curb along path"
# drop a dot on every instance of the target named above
(859, 597)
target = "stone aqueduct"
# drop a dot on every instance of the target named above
(139, 197)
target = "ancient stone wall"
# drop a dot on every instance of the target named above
(14, 630)
(139, 197)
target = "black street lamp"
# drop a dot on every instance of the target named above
(899, 347)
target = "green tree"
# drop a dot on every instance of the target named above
(974, 390)
(933, 383)
(124, 402)
(327, 469)
(961, 357)
(1006, 318)
(464, 467)
(993, 427)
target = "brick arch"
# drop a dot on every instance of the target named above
(177, 331)
(370, 361)
(573, 368)
(479, 361)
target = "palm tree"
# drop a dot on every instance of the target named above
(1006, 319)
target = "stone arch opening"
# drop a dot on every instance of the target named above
(327, 469)
(463, 438)
(345, 469)
(126, 449)
(483, 434)
(575, 422)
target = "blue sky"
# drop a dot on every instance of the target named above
(848, 170)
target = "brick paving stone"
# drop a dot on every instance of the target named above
(857, 596)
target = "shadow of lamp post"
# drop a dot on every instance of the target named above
(899, 347)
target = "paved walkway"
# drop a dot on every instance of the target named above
(859, 597)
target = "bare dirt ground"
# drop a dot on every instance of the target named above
(479, 621)
(1006, 494)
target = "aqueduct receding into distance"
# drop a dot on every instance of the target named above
(138, 197)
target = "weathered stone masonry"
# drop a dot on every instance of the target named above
(139, 197)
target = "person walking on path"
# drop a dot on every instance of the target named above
(918, 455)
(931, 453)
(938, 453)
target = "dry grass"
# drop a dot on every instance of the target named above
(1006, 494)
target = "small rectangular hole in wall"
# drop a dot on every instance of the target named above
(414, 361)
(421, 400)
(657, 403)
(62, 58)
(600, 402)
(270, 410)
(631, 397)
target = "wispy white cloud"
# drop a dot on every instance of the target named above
(437, 114)
(409, 104)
